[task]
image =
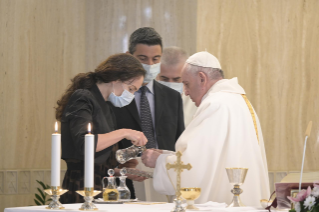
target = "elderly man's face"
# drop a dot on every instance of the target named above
(171, 73)
(192, 86)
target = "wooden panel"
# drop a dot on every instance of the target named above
(42, 47)
(65, 28)
(110, 23)
(23, 83)
(272, 47)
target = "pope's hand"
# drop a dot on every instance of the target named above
(158, 150)
(149, 157)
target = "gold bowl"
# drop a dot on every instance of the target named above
(190, 194)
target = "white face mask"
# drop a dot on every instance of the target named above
(121, 101)
(151, 71)
(174, 85)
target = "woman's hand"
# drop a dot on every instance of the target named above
(138, 138)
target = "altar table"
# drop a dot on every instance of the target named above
(129, 208)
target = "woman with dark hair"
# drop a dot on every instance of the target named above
(87, 100)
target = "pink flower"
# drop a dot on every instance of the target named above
(316, 184)
(302, 195)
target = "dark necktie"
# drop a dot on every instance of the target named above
(146, 119)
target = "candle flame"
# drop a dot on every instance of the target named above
(89, 128)
(56, 127)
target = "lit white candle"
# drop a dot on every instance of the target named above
(55, 157)
(89, 159)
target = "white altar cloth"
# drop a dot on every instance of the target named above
(131, 208)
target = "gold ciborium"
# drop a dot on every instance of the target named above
(190, 194)
(236, 177)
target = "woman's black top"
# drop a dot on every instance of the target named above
(85, 106)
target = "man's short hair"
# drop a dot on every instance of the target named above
(144, 35)
(173, 55)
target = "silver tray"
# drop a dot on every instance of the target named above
(101, 201)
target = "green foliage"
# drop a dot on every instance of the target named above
(292, 210)
(41, 198)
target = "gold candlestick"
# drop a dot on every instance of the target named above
(88, 194)
(178, 166)
(55, 192)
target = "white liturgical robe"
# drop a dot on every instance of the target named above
(221, 134)
(189, 109)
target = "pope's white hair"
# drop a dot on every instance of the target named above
(173, 56)
(212, 73)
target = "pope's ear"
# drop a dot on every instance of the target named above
(202, 77)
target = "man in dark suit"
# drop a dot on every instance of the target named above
(165, 104)
(157, 109)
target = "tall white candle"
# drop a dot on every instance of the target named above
(89, 159)
(55, 157)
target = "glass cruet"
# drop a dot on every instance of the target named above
(124, 192)
(124, 155)
(110, 192)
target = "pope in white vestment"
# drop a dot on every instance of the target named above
(189, 109)
(221, 134)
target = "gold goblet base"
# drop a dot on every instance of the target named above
(190, 205)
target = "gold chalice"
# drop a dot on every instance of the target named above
(236, 177)
(190, 194)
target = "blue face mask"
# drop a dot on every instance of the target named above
(121, 101)
(174, 85)
(151, 71)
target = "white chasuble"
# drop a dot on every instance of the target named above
(221, 134)
(189, 109)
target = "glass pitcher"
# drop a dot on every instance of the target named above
(124, 192)
(124, 155)
(110, 192)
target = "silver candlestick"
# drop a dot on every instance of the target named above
(236, 177)
(88, 194)
(55, 192)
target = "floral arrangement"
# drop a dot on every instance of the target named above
(307, 200)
